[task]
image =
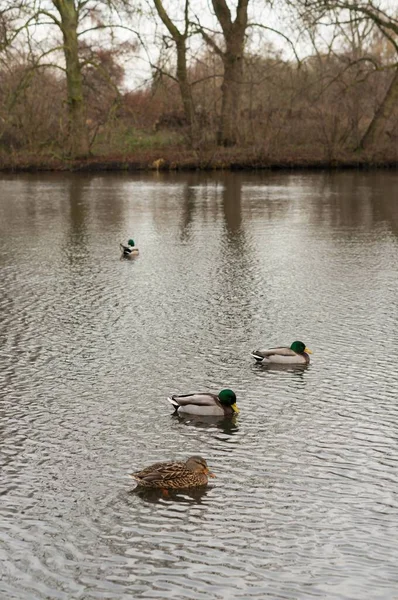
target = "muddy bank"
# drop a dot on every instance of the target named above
(184, 160)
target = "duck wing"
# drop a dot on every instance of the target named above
(126, 249)
(193, 399)
(162, 472)
(280, 351)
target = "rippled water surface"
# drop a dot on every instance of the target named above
(305, 500)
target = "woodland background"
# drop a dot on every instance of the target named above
(124, 84)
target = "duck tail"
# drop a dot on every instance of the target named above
(136, 481)
(256, 354)
(173, 402)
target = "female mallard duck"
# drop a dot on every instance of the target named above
(174, 475)
(205, 404)
(129, 251)
(297, 354)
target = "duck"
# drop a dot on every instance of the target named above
(129, 251)
(194, 472)
(297, 354)
(205, 404)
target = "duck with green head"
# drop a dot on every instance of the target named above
(130, 250)
(205, 404)
(297, 354)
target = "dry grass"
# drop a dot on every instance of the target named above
(180, 159)
(312, 117)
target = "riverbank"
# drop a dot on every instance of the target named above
(179, 159)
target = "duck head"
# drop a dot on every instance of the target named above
(197, 464)
(227, 398)
(299, 348)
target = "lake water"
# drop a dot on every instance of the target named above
(305, 501)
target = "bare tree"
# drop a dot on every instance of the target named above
(73, 19)
(234, 33)
(69, 12)
(355, 11)
(180, 41)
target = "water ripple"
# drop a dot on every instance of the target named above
(304, 503)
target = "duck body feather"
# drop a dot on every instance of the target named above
(281, 355)
(129, 251)
(202, 404)
(170, 475)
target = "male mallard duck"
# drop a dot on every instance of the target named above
(205, 404)
(130, 250)
(172, 475)
(297, 354)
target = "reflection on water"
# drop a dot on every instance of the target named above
(304, 503)
(189, 496)
(226, 424)
(350, 202)
(298, 370)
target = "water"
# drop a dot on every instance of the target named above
(305, 500)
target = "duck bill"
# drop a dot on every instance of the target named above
(210, 474)
(307, 350)
(235, 408)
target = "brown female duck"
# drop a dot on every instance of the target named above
(174, 475)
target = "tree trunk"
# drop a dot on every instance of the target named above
(185, 89)
(180, 40)
(378, 124)
(231, 94)
(234, 36)
(78, 138)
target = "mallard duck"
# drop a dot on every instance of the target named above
(172, 475)
(205, 404)
(129, 251)
(297, 354)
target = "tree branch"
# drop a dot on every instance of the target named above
(241, 13)
(209, 40)
(223, 14)
(279, 33)
(173, 30)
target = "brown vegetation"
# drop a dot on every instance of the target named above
(317, 112)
